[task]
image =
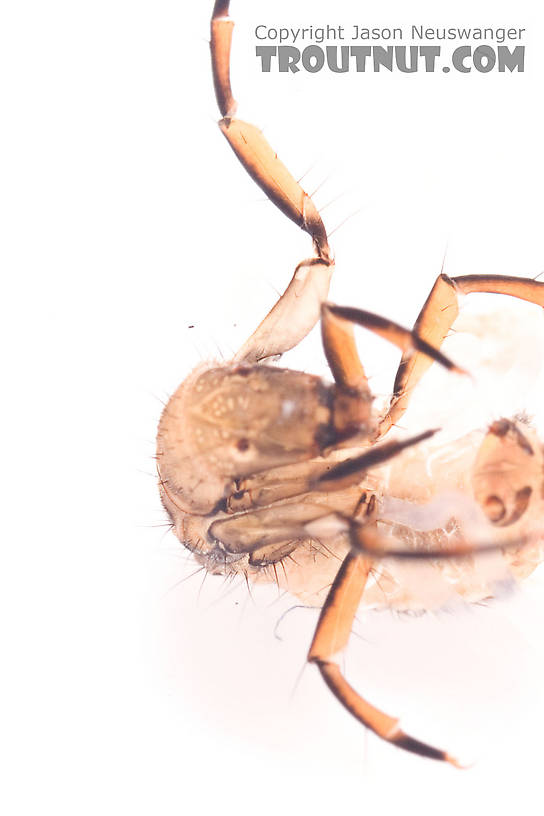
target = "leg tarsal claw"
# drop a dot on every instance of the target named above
(331, 636)
(378, 721)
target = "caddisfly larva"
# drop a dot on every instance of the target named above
(258, 462)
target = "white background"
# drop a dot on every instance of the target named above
(125, 220)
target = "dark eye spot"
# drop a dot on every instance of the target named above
(242, 444)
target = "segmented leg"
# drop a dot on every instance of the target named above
(284, 500)
(250, 146)
(293, 316)
(331, 636)
(246, 532)
(366, 540)
(341, 351)
(408, 341)
(310, 492)
(353, 418)
(325, 515)
(352, 471)
(436, 319)
(297, 311)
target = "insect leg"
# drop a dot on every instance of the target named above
(436, 318)
(331, 636)
(220, 43)
(522, 288)
(408, 341)
(345, 363)
(297, 310)
(353, 398)
(341, 351)
(366, 540)
(293, 316)
(251, 147)
(352, 471)
(289, 520)
(321, 475)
